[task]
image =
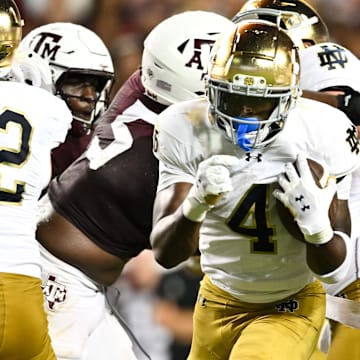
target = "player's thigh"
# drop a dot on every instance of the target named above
(208, 342)
(23, 323)
(345, 343)
(109, 341)
(225, 328)
(74, 305)
(290, 330)
(219, 320)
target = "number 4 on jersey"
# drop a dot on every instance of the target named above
(250, 219)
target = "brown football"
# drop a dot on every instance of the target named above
(320, 176)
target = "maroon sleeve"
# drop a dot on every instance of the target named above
(113, 204)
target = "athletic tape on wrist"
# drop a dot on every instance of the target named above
(194, 211)
(321, 237)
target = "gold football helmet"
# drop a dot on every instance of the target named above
(299, 19)
(253, 82)
(10, 33)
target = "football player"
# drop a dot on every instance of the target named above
(98, 212)
(224, 164)
(83, 75)
(331, 68)
(328, 74)
(306, 28)
(32, 122)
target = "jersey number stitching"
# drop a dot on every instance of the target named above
(251, 218)
(14, 156)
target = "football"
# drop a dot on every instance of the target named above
(320, 176)
(318, 172)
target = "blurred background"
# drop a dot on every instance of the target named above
(123, 24)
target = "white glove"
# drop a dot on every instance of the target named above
(308, 203)
(212, 181)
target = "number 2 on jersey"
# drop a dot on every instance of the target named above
(15, 130)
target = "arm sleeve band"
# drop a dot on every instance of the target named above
(339, 273)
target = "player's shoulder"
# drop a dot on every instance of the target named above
(327, 133)
(183, 117)
(328, 64)
(317, 113)
(317, 119)
(28, 93)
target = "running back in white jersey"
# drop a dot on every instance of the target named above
(245, 248)
(32, 122)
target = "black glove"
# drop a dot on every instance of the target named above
(349, 103)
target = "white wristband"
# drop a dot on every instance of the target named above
(321, 237)
(194, 210)
(339, 273)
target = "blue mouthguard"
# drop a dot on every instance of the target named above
(243, 129)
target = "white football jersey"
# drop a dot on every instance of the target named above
(32, 122)
(327, 65)
(245, 248)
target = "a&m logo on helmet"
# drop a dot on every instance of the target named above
(197, 50)
(47, 45)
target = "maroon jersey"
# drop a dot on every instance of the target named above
(67, 152)
(108, 192)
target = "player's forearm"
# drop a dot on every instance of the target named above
(326, 98)
(174, 239)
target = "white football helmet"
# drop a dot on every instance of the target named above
(11, 25)
(253, 82)
(176, 54)
(298, 18)
(73, 49)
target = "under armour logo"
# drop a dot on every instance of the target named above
(290, 305)
(202, 300)
(54, 292)
(301, 199)
(353, 140)
(332, 56)
(250, 156)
